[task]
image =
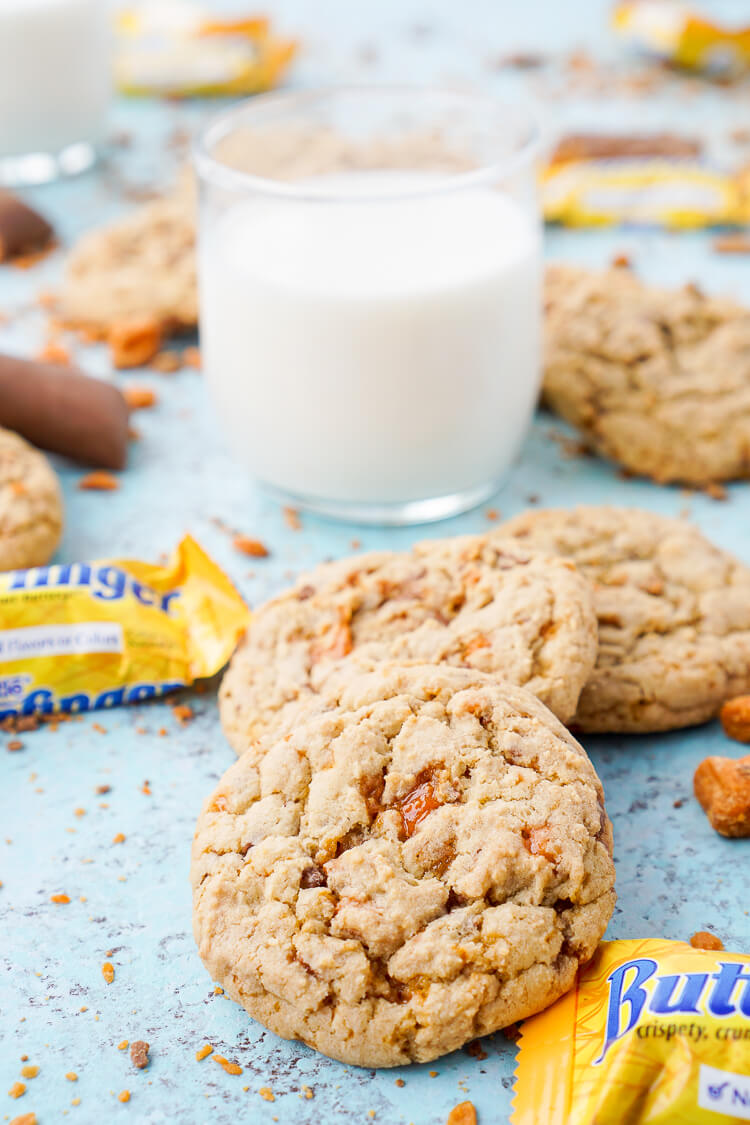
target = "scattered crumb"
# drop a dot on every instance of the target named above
(99, 481)
(59, 898)
(400, 1082)
(716, 491)
(14, 745)
(476, 1050)
(139, 398)
(248, 546)
(124, 1096)
(146, 788)
(102, 789)
(134, 342)
(162, 732)
(166, 362)
(267, 1094)
(371, 1113)
(512, 1032)
(71, 1076)
(433, 1074)
(29, 1071)
(123, 1046)
(76, 1101)
(218, 990)
(621, 262)
(355, 544)
(119, 838)
(292, 519)
(204, 1052)
(183, 712)
(678, 803)
(108, 972)
(139, 1054)
(24, 1119)
(191, 357)
(24, 1058)
(705, 940)
(17, 1090)
(229, 1067)
(307, 1091)
(732, 244)
(79, 812)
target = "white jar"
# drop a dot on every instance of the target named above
(371, 330)
(55, 86)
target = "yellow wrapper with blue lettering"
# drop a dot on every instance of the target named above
(79, 636)
(654, 1033)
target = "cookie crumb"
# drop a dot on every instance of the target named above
(17, 1090)
(706, 940)
(292, 519)
(133, 343)
(183, 712)
(139, 398)
(218, 990)
(124, 1096)
(621, 262)
(108, 972)
(400, 1082)
(102, 789)
(735, 718)
(71, 1076)
(139, 1053)
(716, 491)
(59, 898)
(119, 838)
(492, 514)
(267, 1094)
(24, 1119)
(14, 745)
(249, 546)
(229, 1067)
(678, 803)
(433, 1074)
(462, 1114)
(99, 481)
(476, 1050)
(204, 1052)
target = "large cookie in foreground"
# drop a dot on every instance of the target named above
(425, 860)
(657, 380)
(673, 610)
(502, 608)
(31, 509)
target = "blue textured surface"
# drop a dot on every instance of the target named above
(675, 875)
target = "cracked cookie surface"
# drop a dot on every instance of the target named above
(31, 513)
(424, 860)
(524, 616)
(656, 380)
(673, 612)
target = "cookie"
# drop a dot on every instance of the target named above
(31, 512)
(673, 611)
(656, 380)
(139, 268)
(520, 615)
(424, 859)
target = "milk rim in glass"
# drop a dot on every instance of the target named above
(55, 87)
(369, 264)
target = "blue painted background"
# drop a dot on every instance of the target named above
(675, 875)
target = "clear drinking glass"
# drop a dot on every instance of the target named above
(55, 87)
(370, 270)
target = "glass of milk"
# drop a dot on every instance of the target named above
(55, 86)
(369, 268)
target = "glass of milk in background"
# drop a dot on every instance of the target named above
(55, 86)
(370, 271)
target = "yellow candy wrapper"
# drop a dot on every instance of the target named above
(687, 35)
(653, 1033)
(79, 636)
(180, 49)
(676, 194)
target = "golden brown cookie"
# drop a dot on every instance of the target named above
(31, 513)
(656, 380)
(673, 611)
(423, 859)
(523, 616)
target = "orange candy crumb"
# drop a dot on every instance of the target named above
(17, 1090)
(124, 1096)
(229, 1067)
(29, 1071)
(123, 1046)
(59, 898)
(119, 838)
(99, 481)
(204, 1052)
(108, 972)
(267, 1094)
(71, 1076)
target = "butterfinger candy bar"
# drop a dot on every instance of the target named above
(598, 146)
(82, 636)
(653, 1033)
(687, 35)
(22, 230)
(64, 411)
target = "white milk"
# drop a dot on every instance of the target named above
(55, 74)
(373, 351)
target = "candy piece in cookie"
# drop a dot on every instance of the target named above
(380, 938)
(31, 510)
(498, 607)
(656, 380)
(673, 612)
